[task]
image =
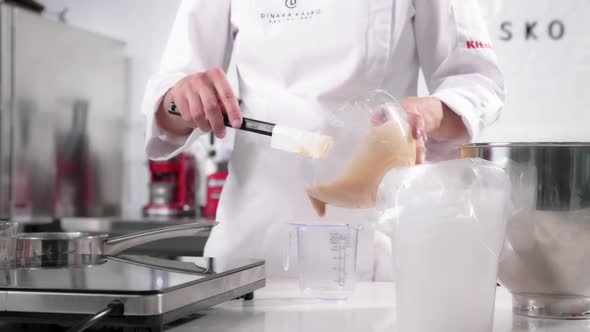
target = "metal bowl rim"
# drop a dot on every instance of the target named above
(526, 144)
(58, 236)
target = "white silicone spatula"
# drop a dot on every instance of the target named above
(302, 142)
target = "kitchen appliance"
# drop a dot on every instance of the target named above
(172, 187)
(56, 80)
(547, 251)
(73, 182)
(75, 249)
(215, 183)
(133, 292)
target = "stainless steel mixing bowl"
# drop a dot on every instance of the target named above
(545, 263)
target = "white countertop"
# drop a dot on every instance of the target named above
(280, 307)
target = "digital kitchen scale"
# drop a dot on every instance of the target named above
(149, 293)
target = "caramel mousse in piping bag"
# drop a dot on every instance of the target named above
(387, 145)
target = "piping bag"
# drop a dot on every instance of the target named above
(374, 137)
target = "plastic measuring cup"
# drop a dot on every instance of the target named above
(327, 259)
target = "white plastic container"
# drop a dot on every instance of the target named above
(446, 280)
(326, 259)
(448, 223)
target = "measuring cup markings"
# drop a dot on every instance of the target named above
(341, 261)
(327, 258)
(340, 243)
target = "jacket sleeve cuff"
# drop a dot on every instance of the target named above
(465, 109)
(159, 144)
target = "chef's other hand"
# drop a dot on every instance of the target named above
(416, 122)
(431, 117)
(201, 99)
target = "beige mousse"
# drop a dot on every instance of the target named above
(385, 147)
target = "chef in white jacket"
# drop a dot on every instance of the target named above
(296, 60)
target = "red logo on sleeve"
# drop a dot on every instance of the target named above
(474, 44)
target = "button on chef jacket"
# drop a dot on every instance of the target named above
(298, 59)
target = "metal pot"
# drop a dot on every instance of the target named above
(546, 256)
(42, 250)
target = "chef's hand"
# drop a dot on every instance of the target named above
(201, 99)
(431, 117)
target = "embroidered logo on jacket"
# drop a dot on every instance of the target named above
(291, 3)
(283, 17)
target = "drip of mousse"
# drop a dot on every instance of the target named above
(385, 147)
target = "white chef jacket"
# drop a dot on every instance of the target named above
(296, 60)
